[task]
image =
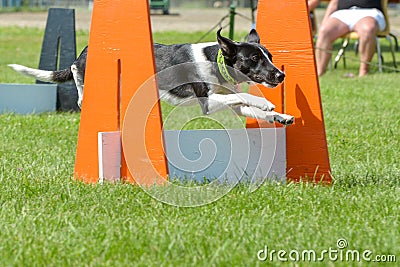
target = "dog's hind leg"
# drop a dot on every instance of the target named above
(78, 82)
(269, 116)
(218, 102)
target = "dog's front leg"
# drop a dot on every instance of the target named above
(217, 102)
(78, 82)
(270, 116)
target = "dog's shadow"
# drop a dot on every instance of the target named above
(307, 118)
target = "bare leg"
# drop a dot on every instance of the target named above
(366, 28)
(328, 32)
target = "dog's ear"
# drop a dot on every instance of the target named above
(254, 37)
(228, 47)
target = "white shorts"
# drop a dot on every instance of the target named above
(351, 16)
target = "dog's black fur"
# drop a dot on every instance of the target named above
(245, 62)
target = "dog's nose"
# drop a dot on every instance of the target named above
(280, 76)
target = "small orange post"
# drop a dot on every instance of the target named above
(284, 28)
(120, 60)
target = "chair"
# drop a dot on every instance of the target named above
(383, 34)
(314, 24)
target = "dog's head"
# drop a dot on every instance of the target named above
(252, 59)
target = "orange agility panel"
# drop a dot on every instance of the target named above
(120, 60)
(284, 28)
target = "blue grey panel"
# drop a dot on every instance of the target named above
(226, 155)
(27, 98)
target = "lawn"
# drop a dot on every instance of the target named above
(49, 219)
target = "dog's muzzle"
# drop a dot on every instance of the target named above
(272, 80)
(280, 76)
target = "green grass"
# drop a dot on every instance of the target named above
(48, 219)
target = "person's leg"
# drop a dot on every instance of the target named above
(328, 32)
(366, 28)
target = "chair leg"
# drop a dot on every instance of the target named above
(379, 52)
(356, 45)
(392, 49)
(341, 53)
(395, 41)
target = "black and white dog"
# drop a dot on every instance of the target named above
(212, 82)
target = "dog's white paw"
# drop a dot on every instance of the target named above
(80, 102)
(268, 106)
(263, 104)
(284, 119)
(256, 101)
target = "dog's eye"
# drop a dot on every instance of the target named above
(255, 57)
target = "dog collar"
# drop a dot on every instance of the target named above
(222, 68)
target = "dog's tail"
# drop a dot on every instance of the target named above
(59, 76)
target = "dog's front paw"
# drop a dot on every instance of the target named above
(256, 101)
(268, 106)
(284, 119)
(264, 104)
